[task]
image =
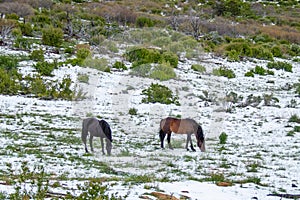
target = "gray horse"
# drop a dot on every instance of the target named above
(96, 128)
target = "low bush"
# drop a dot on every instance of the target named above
(100, 64)
(223, 138)
(37, 55)
(132, 111)
(52, 36)
(223, 71)
(198, 68)
(280, 65)
(45, 68)
(119, 65)
(160, 94)
(149, 55)
(162, 72)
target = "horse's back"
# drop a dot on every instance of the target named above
(92, 126)
(184, 126)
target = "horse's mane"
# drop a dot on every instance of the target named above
(200, 134)
(106, 129)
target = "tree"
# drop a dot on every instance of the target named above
(6, 27)
(21, 9)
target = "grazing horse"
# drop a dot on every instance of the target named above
(181, 126)
(96, 128)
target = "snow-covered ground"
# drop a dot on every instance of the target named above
(258, 157)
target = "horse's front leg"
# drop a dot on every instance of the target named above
(189, 139)
(102, 145)
(169, 140)
(91, 143)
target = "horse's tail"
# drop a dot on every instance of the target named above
(84, 132)
(106, 129)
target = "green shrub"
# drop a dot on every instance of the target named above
(198, 68)
(22, 43)
(144, 22)
(294, 118)
(249, 74)
(119, 65)
(162, 72)
(169, 57)
(259, 70)
(223, 71)
(223, 138)
(280, 65)
(45, 68)
(233, 55)
(276, 51)
(83, 53)
(52, 36)
(161, 41)
(83, 78)
(132, 111)
(160, 94)
(8, 62)
(142, 70)
(296, 128)
(261, 52)
(143, 55)
(9, 82)
(100, 64)
(37, 55)
(26, 29)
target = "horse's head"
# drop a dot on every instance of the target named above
(200, 139)
(108, 146)
(201, 145)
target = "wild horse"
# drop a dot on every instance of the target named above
(96, 128)
(181, 126)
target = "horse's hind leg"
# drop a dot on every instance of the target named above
(169, 140)
(91, 143)
(102, 145)
(162, 136)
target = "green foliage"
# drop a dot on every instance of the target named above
(119, 65)
(160, 94)
(83, 53)
(295, 118)
(37, 55)
(100, 64)
(261, 52)
(159, 71)
(52, 36)
(26, 29)
(223, 138)
(45, 68)
(249, 74)
(9, 82)
(259, 70)
(23, 43)
(144, 22)
(143, 55)
(132, 111)
(83, 78)
(223, 71)
(162, 72)
(37, 179)
(198, 68)
(8, 62)
(280, 65)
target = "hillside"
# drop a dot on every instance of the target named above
(233, 66)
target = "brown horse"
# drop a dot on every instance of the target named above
(181, 126)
